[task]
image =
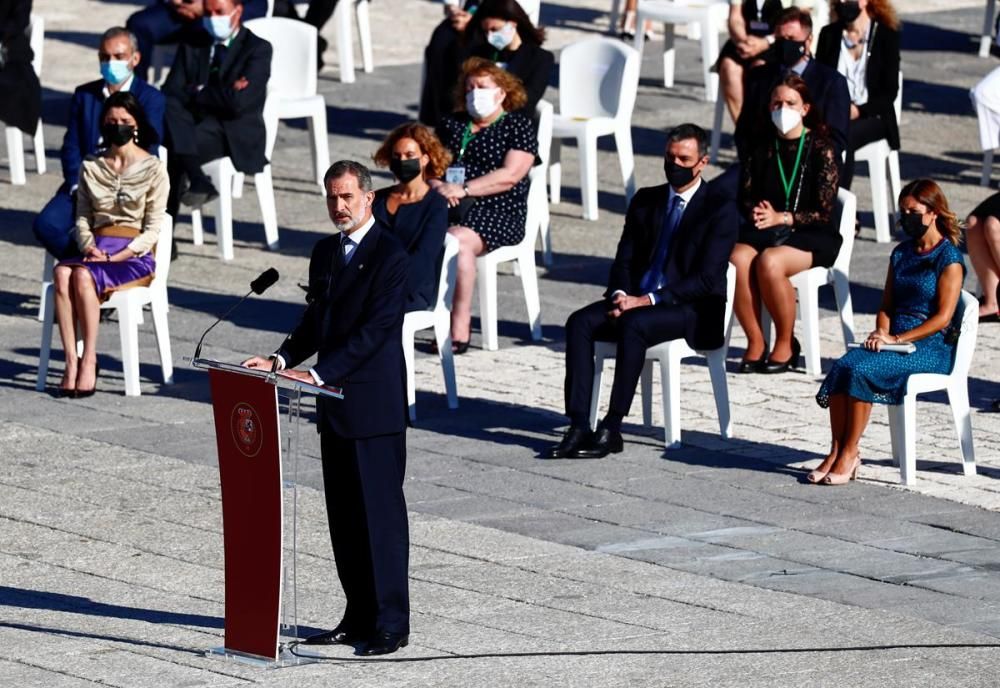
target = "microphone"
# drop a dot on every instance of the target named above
(263, 282)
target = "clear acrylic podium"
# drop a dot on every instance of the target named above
(259, 508)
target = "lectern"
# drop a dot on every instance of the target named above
(260, 583)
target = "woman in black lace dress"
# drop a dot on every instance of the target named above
(787, 195)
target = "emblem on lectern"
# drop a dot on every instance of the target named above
(245, 426)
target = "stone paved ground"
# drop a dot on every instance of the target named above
(710, 565)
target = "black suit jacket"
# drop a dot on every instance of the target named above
(420, 227)
(827, 87)
(241, 113)
(697, 259)
(354, 322)
(881, 72)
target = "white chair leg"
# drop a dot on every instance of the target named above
(555, 171)
(224, 225)
(626, 158)
(845, 307)
(128, 333)
(905, 417)
(411, 381)
(265, 197)
(15, 155)
(895, 182)
(487, 279)
(895, 434)
(365, 36)
(809, 314)
(197, 229)
(984, 180)
(321, 145)
(646, 392)
(709, 54)
(529, 283)
(587, 148)
(880, 206)
(345, 46)
(238, 180)
(45, 293)
(595, 390)
(162, 330)
(669, 53)
(716, 142)
(670, 381)
(442, 335)
(716, 360)
(45, 349)
(39, 143)
(958, 399)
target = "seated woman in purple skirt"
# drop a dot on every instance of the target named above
(120, 205)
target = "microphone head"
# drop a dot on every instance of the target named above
(264, 281)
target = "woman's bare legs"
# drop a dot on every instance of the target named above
(88, 313)
(983, 241)
(66, 319)
(773, 268)
(858, 413)
(470, 247)
(838, 427)
(731, 79)
(746, 303)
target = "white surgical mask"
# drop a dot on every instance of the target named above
(502, 38)
(481, 102)
(220, 28)
(786, 119)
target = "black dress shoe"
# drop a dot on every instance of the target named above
(385, 644)
(604, 441)
(573, 439)
(752, 366)
(341, 635)
(775, 367)
(198, 194)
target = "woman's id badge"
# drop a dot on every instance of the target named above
(455, 175)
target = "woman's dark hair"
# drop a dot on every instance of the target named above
(927, 193)
(147, 136)
(508, 10)
(814, 118)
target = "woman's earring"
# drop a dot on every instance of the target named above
(135, 136)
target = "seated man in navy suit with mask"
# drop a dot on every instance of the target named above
(668, 281)
(118, 56)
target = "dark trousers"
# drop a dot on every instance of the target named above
(633, 332)
(192, 140)
(441, 66)
(363, 480)
(863, 131)
(319, 12)
(53, 226)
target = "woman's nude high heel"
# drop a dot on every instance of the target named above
(843, 478)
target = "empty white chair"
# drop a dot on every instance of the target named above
(808, 282)
(129, 304)
(598, 79)
(881, 160)
(710, 15)
(903, 418)
(345, 41)
(543, 113)
(669, 355)
(986, 40)
(291, 93)
(14, 136)
(985, 97)
(440, 319)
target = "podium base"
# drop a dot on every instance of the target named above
(285, 658)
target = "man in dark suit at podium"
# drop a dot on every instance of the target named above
(356, 297)
(668, 281)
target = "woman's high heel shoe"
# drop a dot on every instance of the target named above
(774, 367)
(755, 365)
(816, 477)
(843, 478)
(84, 393)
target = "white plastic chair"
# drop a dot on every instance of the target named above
(882, 159)
(532, 8)
(291, 94)
(345, 44)
(229, 183)
(129, 304)
(598, 80)
(808, 282)
(15, 137)
(986, 40)
(669, 355)
(903, 418)
(710, 15)
(440, 319)
(544, 115)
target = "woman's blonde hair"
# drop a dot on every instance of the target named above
(429, 144)
(881, 11)
(515, 99)
(927, 193)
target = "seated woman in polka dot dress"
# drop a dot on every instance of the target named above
(493, 148)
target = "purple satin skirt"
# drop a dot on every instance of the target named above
(111, 277)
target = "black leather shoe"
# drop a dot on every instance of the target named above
(774, 367)
(385, 644)
(573, 439)
(752, 366)
(603, 442)
(198, 194)
(341, 635)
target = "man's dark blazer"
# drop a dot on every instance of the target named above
(881, 72)
(827, 88)
(354, 321)
(697, 260)
(241, 113)
(84, 128)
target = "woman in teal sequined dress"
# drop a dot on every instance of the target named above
(922, 290)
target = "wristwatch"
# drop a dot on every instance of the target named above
(465, 188)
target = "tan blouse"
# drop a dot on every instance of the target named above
(136, 198)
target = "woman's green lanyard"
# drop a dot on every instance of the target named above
(788, 183)
(468, 135)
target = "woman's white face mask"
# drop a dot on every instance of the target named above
(785, 119)
(481, 102)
